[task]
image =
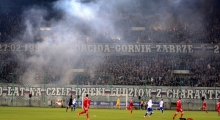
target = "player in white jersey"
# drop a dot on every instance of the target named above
(161, 105)
(149, 108)
(74, 104)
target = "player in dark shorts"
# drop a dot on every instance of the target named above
(70, 104)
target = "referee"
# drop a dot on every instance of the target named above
(70, 104)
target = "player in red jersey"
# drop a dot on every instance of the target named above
(218, 107)
(86, 105)
(178, 108)
(204, 104)
(89, 102)
(129, 107)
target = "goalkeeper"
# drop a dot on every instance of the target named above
(118, 102)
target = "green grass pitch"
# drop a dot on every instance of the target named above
(33, 113)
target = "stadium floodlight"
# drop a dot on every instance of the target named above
(45, 28)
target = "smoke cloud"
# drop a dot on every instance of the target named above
(76, 22)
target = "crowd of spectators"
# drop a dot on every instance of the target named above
(200, 27)
(153, 70)
(10, 26)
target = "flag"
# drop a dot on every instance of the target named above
(73, 92)
(153, 93)
(164, 94)
(203, 47)
(43, 91)
(5, 91)
(107, 92)
(26, 92)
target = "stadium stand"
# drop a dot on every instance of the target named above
(154, 70)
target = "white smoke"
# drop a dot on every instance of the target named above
(77, 21)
